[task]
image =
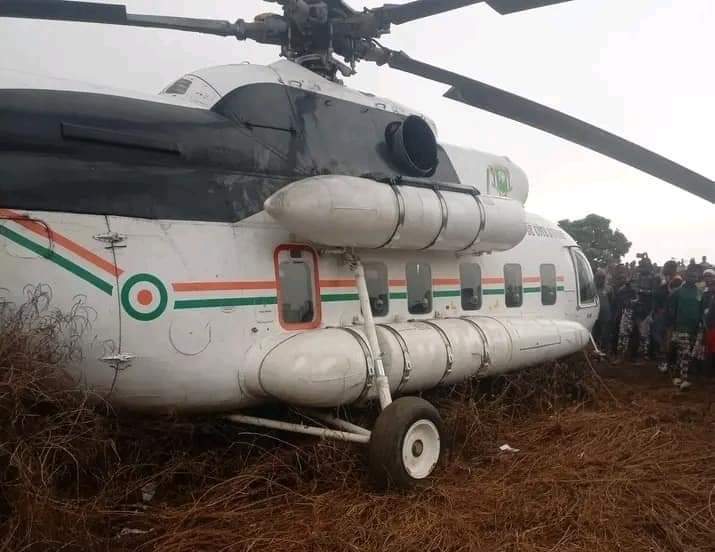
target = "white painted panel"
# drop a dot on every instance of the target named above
(183, 316)
(52, 264)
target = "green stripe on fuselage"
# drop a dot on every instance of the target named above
(326, 298)
(334, 297)
(447, 293)
(58, 259)
(496, 291)
(223, 302)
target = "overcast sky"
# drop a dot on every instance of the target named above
(642, 69)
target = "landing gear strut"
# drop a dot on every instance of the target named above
(406, 441)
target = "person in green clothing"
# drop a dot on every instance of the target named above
(708, 310)
(686, 314)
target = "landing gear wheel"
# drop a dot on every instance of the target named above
(406, 443)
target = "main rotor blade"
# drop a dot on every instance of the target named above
(403, 13)
(90, 12)
(506, 104)
(506, 7)
(112, 14)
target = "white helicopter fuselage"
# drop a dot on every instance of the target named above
(194, 316)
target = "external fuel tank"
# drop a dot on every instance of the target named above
(333, 366)
(347, 211)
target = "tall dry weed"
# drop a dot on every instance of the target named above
(598, 469)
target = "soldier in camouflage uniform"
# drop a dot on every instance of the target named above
(659, 328)
(686, 315)
(645, 286)
(624, 301)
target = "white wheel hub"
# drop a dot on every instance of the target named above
(420, 449)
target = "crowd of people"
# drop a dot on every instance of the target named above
(664, 314)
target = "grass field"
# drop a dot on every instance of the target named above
(614, 460)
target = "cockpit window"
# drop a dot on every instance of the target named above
(193, 89)
(586, 285)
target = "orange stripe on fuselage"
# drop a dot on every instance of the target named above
(337, 283)
(46, 232)
(445, 281)
(223, 286)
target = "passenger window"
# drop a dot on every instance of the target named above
(470, 276)
(298, 305)
(419, 288)
(548, 284)
(513, 287)
(377, 288)
(586, 286)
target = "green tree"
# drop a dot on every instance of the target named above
(601, 244)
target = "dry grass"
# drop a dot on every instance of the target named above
(629, 467)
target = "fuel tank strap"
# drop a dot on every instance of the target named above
(482, 221)
(370, 372)
(429, 184)
(405, 355)
(445, 216)
(485, 342)
(447, 345)
(400, 214)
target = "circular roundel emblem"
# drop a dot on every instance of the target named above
(144, 297)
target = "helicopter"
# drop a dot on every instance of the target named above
(266, 234)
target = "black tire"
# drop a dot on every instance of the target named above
(385, 450)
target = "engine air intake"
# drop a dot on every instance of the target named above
(413, 145)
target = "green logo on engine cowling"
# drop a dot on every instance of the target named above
(498, 181)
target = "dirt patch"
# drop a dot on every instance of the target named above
(614, 461)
